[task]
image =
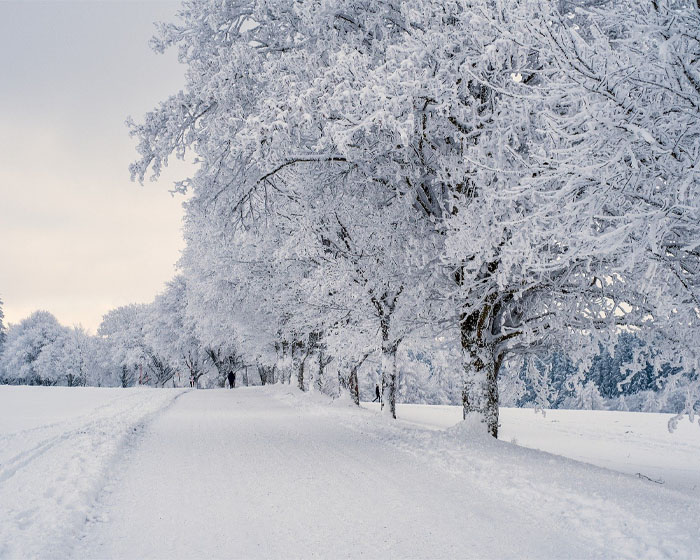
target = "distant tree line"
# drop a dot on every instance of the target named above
(40, 351)
(135, 345)
(607, 384)
(131, 349)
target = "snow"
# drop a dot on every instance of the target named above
(57, 446)
(635, 443)
(271, 472)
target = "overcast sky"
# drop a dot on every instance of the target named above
(77, 238)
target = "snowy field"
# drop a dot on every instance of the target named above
(636, 443)
(269, 472)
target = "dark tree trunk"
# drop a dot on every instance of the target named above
(385, 309)
(491, 412)
(300, 375)
(352, 383)
(388, 374)
(480, 392)
(321, 371)
(389, 381)
(389, 349)
(354, 386)
(126, 377)
(481, 367)
(322, 363)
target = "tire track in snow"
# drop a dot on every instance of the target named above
(245, 476)
(47, 490)
(85, 424)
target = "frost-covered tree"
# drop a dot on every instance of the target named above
(33, 349)
(326, 258)
(229, 295)
(3, 330)
(172, 335)
(359, 281)
(278, 140)
(623, 93)
(124, 332)
(524, 173)
(82, 359)
(40, 351)
(73, 358)
(225, 362)
(589, 398)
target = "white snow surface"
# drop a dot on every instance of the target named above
(636, 443)
(270, 472)
(58, 446)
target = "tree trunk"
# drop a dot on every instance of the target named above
(300, 375)
(353, 385)
(480, 390)
(389, 380)
(490, 389)
(321, 371)
(389, 349)
(322, 363)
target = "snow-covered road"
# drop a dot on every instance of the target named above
(266, 472)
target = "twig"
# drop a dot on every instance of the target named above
(645, 477)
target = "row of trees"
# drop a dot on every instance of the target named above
(150, 344)
(2, 327)
(159, 341)
(605, 385)
(465, 187)
(40, 351)
(482, 182)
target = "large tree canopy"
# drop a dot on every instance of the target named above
(508, 176)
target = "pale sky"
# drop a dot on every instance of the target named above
(77, 237)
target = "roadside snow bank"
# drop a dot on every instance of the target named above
(57, 445)
(636, 443)
(620, 515)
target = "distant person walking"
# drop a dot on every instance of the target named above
(378, 397)
(231, 380)
(191, 380)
